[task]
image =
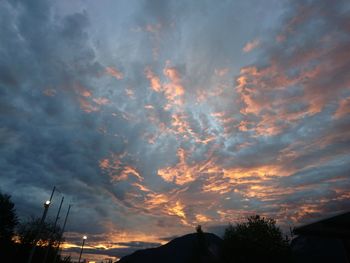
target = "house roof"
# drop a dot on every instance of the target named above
(336, 226)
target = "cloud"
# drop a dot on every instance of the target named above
(144, 149)
(114, 72)
(343, 108)
(249, 46)
(298, 73)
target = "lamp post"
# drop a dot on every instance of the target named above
(46, 208)
(61, 234)
(53, 233)
(82, 247)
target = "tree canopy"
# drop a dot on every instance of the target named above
(27, 233)
(8, 219)
(256, 240)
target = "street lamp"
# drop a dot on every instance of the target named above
(53, 232)
(46, 208)
(82, 247)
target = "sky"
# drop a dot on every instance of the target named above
(151, 117)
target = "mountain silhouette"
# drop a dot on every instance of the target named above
(188, 248)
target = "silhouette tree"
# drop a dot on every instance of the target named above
(27, 233)
(15, 245)
(257, 239)
(202, 252)
(201, 238)
(8, 219)
(8, 222)
(201, 243)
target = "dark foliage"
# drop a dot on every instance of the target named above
(46, 242)
(27, 233)
(8, 222)
(15, 246)
(202, 253)
(8, 219)
(256, 240)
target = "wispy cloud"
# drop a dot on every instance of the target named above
(249, 46)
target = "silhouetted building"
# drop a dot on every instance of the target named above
(326, 240)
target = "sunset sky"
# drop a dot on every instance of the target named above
(153, 116)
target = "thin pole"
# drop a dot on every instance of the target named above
(46, 207)
(65, 220)
(53, 191)
(54, 230)
(58, 213)
(82, 247)
(60, 238)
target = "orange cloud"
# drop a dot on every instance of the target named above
(117, 171)
(117, 238)
(343, 108)
(263, 93)
(141, 187)
(216, 184)
(126, 172)
(200, 218)
(177, 209)
(249, 182)
(180, 123)
(153, 79)
(104, 163)
(115, 73)
(301, 76)
(247, 82)
(251, 45)
(179, 174)
(260, 172)
(154, 200)
(101, 101)
(87, 106)
(82, 91)
(172, 90)
(183, 173)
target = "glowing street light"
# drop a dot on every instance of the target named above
(46, 208)
(82, 247)
(54, 231)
